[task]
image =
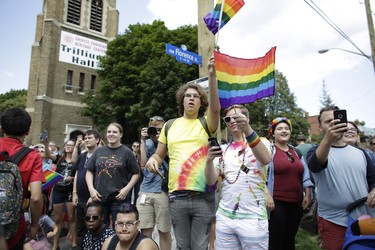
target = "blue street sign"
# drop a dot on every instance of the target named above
(183, 55)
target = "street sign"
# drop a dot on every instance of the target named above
(183, 55)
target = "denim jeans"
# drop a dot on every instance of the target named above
(111, 209)
(191, 219)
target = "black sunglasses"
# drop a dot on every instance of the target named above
(94, 218)
(290, 156)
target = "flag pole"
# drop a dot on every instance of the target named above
(220, 16)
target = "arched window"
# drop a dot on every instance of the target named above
(96, 15)
(74, 12)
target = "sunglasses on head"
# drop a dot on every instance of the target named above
(156, 119)
(94, 218)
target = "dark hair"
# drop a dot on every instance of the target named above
(15, 122)
(328, 108)
(243, 109)
(96, 204)
(180, 94)
(128, 208)
(94, 133)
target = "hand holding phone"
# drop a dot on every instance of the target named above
(43, 136)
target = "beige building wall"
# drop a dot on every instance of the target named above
(51, 103)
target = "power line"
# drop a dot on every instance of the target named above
(333, 25)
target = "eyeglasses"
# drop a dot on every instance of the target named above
(190, 95)
(94, 218)
(227, 119)
(290, 156)
(352, 130)
(128, 224)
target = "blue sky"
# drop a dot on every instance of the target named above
(291, 25)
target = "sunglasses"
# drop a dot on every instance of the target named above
(156, 119)
(227, 119)
(94, 218)
(290, 156)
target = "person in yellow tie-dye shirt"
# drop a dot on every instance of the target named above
(191, 200)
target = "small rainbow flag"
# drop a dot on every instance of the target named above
(244, 80)
(52, 178)
(231, 7)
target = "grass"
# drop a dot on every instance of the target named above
(306, 240)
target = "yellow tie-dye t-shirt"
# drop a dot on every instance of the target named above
(187, 148)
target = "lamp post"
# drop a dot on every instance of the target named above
(322, 51)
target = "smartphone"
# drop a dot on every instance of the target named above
(341, 115)
(43, 136)
(213, 142)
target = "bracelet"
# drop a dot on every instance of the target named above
(253, 139)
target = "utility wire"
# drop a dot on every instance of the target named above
(334, 26)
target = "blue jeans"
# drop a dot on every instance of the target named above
(111, 209)
(191, 219)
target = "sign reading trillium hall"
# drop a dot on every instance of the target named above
(80, 50)
(183, 55)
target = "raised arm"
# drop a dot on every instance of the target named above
(213, 112)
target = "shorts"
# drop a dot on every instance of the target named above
(61, 197)
(153, 209)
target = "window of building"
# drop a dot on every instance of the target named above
(74, 12)
(81, 82)
(96, 15)
(69, 81)
(93, 82)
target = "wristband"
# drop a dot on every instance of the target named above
(253, 139)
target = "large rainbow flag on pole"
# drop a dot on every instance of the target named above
(230, 8)
(243, 81)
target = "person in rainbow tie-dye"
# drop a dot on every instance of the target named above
(191, 200)
(241, 218)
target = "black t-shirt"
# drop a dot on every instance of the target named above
(65, 169)
(113, 168)
(82, 190)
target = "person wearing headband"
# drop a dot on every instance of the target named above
(289, 187)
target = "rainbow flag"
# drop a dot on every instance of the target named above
(231, 7)
(244, 80)
(52, 178)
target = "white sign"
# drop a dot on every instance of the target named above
(80, 50)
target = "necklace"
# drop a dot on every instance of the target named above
(287, 154)
(242, 166)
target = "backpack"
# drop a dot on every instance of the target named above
(11, 191)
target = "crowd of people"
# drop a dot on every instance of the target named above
(247, 193)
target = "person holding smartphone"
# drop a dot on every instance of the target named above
(241, 218)
(342, 173)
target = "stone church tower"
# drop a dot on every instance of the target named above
(70, 37)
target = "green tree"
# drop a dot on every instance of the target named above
(13, 99)
(283, 103)
(138, 79)
(325, 98)
(359, 123)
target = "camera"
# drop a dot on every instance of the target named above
(152, 131)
